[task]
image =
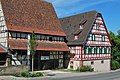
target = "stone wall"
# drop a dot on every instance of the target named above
(13, 69)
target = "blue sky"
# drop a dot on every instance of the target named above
(110, 10)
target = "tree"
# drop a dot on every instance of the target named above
(33, 46)
(115, 50)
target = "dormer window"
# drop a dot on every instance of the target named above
(75, 37)
(97, 27)
(81, 26)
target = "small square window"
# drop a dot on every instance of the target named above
(92, 62)
(71, 62)
(102, 61)
(18, 35)
(103, 38)
(71, 67)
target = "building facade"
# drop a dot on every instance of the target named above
(88, 41)
(18, 19)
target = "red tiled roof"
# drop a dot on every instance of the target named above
(31, 15)
(40, 31)
(2, 50)
(42, 45)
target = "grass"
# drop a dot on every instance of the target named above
(24, 74)
(16, 75)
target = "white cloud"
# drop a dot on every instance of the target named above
(66, 7)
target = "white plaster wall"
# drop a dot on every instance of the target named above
(68, 64)
(76, 65)
(3, 36)
(98, 66)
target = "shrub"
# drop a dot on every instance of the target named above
(16, 75)
(24, 74)
(38, 74)
(114, 65)
(33, 75)
(84, 69)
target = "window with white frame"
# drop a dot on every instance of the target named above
(93, 37)
(13, 34)
(81, 26)
(72, 50)
(76, 37)
(103, 38)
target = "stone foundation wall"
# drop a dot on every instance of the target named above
(13, 69)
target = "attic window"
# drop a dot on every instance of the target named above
(75, 37)
(81, 25)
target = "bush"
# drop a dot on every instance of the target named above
(114, 65)
(38, 74)
(27, 74)
(24, 74)
(16, 75)
(85, 69)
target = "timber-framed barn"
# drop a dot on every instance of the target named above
(18, 19)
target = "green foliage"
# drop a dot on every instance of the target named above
(115, 65)
(38, 74)
(85, 69)
(115, 62)
(24, 74)
(16, 75)
(33, 44)
(27, 74)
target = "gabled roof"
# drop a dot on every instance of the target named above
(42, 45)
(71, 24)
(3, 49)
(31, 15)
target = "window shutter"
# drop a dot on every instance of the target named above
(95, 50)
(103, 38)
(89, 50)
(85, 50)
(94, 37)
(105, 50)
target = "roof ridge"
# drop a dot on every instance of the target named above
(79, 14)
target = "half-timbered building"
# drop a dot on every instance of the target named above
(88, 40)
(18, 19)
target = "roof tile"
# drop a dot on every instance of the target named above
(26, 15)
(71, 24)
(42, 45)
